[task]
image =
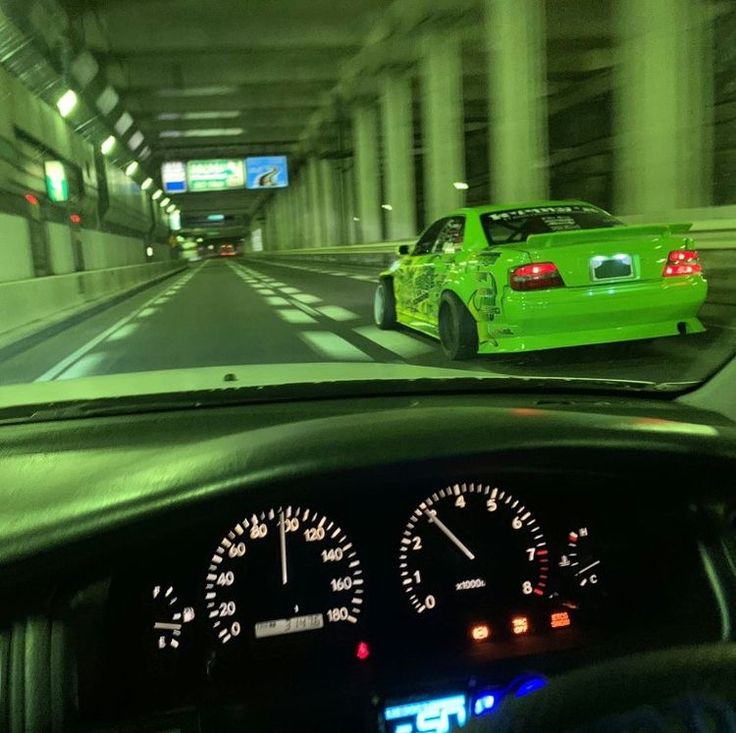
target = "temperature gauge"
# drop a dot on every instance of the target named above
(170, 617)
(580, 563)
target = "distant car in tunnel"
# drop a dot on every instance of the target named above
(525, 277)
(227, 250)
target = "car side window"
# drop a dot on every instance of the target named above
(427, 240)
(450, 237)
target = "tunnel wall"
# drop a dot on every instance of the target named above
(118, 220)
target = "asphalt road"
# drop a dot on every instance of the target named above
(226, 312)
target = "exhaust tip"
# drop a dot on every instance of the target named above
(682, 328)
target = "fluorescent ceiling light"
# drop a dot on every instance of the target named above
(107, 145)
(124, 123)
(214, 115)
(208, 91)
(66, 103)
(157, 194)
(204, 132)
(107, 101)
(165, 202)
(171, 209)
(388, 207)
(131, 168)
(145, 154)
(136, 139)
(84, 68)
(461, 185)
(147, 184)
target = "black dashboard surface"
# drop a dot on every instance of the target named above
(103, 516)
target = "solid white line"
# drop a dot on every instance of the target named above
(75, 356)
(337, 313)
(401, 344)
(333, 346)
(84, 366)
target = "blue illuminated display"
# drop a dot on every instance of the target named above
(437, 715)
(483, 704)
(529, 685)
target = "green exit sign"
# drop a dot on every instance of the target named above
(57, 184)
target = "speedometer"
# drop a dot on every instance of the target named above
(285, 570)
(472, 546)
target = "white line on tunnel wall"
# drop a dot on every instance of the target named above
(55, 371)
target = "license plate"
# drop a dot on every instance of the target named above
(618, 267)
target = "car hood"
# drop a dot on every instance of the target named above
(251, 379)
(198, 379)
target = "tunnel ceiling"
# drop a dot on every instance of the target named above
(237, 78)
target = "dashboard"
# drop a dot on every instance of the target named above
(396, 589)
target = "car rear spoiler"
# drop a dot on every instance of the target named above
(605, 234)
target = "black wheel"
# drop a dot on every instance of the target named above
(384, 305)
(458, 330)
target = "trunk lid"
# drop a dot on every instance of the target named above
(609, 256)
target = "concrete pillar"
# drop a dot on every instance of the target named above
(303, 238)
(314, 197)
(329, 205)
(517, 75)
(663, 106)
(367, 181)
(398, 157)
(443, 127)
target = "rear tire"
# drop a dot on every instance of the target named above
(458, 329)
(384, 305)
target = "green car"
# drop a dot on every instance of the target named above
(499, 279)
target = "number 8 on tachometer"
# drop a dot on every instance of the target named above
(472, 547)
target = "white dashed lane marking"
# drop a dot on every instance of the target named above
(292, 315)
(65, 364)
(337, 313)
(399, 343)
(333, 346)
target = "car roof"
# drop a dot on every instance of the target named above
(486, 208)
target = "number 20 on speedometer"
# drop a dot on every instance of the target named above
(472, 546)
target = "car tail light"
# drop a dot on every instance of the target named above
(538, 276)
(682, 262)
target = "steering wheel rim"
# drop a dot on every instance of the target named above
(585, 696)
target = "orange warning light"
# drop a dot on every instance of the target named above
(559, 619)
(480, 632)
(520, 625)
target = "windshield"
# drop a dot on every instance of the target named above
(507, 227)
(290, 193)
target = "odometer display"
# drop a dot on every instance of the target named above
(284, 571)
(472, 548)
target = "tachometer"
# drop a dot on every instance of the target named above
(475, 546)
(283, 571)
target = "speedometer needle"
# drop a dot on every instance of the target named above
(432, 515)
(282, 543)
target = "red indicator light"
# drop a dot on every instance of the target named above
(520, 625)
(559, 620)
(480, 632)
(75, 219)
(31, 199)
(362, 651)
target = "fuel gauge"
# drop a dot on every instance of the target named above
(169, 617)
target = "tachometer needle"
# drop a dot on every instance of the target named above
(282, 543)
(432, 515)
